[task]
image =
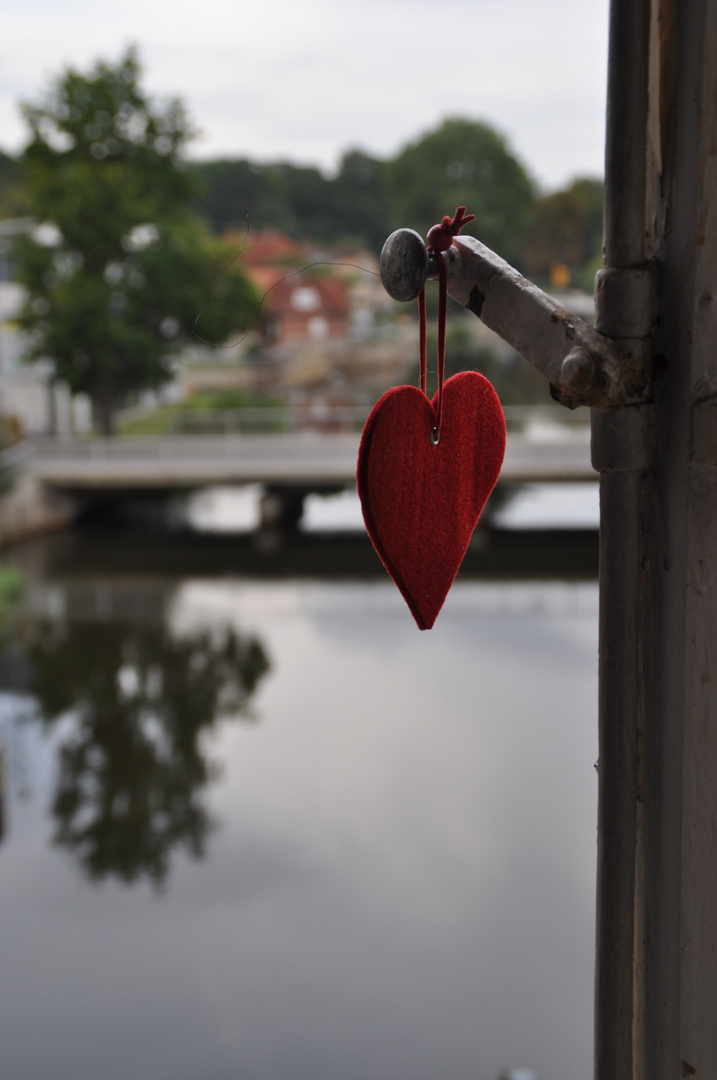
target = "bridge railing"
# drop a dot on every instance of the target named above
(543, 444)
(262, 421)
(202, 434)
(319, 417)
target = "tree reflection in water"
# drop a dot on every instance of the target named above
(131, 767)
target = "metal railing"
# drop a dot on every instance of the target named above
(314, 417)
(262, 421)
(543, 443)
(201, 435)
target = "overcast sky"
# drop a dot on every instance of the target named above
(304, 80)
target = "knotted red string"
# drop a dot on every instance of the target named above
(440, 238)
(421, 336)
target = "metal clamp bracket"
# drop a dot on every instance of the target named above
(583, 364)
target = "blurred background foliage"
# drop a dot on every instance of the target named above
(464, 163)
(132, 240)
(460, 161)
(121, 263)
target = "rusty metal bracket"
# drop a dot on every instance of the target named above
(585, 365)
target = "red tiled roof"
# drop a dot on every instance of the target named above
(267, 248)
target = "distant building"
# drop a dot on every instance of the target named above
(305, 308)
(299, 305)
(32, 401)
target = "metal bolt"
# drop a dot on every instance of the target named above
(578, 369)
(404, 264)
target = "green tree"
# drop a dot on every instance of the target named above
(298, 200)
(118, 276)
(13, 188)
(360, 200)
(464, 162)
(567, 228)
(295, 199)
(239, 194)
(307, 195)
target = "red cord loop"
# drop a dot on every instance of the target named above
(440, 238)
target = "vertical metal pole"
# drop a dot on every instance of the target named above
(656, 979)
(621, 452)
(626, 136)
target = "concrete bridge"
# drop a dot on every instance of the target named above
(309, 459)
(67, 473)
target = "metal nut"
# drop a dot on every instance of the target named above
(577, 371)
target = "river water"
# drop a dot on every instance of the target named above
(257, 826)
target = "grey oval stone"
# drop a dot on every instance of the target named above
(404, 264)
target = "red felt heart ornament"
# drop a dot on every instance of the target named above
(421, 502)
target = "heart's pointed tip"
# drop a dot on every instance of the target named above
(425, 620)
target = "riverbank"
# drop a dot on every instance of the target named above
(29, 510)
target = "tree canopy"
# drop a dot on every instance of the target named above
(461, 162)
(115, 286)
(464, 163)
(298, 200)
(13, 187)
(567, 228)
(120, 268)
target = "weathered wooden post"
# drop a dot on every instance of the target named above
(649, 372)
(656, 1006)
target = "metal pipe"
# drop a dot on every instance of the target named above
(621, 451)
(617, 783)
(622, 447)
(626, 134)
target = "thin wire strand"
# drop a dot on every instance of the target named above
(422, 338)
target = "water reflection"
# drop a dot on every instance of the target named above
(402, 885)
(129, 704)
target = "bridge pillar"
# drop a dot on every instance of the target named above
(281, 509)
